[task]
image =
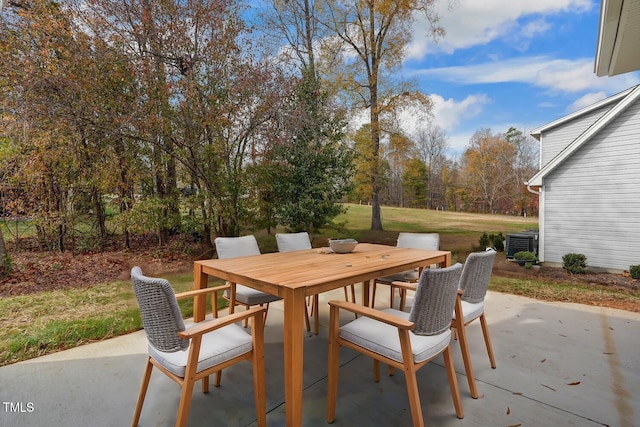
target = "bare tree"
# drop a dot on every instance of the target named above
(371, 36)
(432, 146)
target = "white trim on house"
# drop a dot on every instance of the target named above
(625, 99)
(537, 132)
(618, 38)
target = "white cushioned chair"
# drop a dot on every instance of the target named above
(429, 241)
(288, 242)
(238, 294)
(474, 283)
(188, 353)
(406, 341)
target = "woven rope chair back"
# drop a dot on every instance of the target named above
(476, 275)
(435, 299)
(161, 316)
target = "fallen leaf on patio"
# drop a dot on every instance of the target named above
(517, 393)
(611, 327)
(564, 336)
(515, 425)
(543, 360)
(574, 383)
(550, 388)
(508, 410)
(608, 352)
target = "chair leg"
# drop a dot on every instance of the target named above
(453, 382)
(353, 296)
(143, 392)
(413, 394)
(487, 340)
(214, 305)
(306, 318)
(188, 382)
(458, 326)
(205, 384)
(376, 370)
(410, 378)
(185, 402)
(266, 312)
(218, 378)
(316, 314)
(373, 294)
(466, 359)
(332, 372)
(392, 295)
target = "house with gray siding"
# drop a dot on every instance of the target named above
(589, 184)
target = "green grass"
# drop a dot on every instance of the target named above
(38, 324)
(552, 291)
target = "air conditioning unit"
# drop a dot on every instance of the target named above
(523, 241)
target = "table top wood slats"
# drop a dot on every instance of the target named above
(319, 271)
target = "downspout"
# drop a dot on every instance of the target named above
(531, 190)
(540, 223)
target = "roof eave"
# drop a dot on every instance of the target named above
(632, 95)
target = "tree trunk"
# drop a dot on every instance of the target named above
(5, 259)
(376, 218)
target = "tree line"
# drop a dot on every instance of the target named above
(213, 117)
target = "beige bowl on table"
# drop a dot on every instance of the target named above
(342, 246)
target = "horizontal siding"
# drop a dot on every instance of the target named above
(592, 200)
(557, 139)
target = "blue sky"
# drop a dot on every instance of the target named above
(503, 63)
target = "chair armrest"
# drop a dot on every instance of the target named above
(373, 314)
(410, 286)
(196, 292)
(217, 323)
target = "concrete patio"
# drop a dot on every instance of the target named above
(557, 364)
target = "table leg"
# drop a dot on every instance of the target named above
(447, 260)
(294, 306)
(200, 304)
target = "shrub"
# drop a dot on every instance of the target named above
(575, 263)
(484, 241)
(498, 241)
(526, 256)
(634, 271)
(495, 241)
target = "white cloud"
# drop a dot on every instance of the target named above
(471, 22)
(586, 100)
(448, 113)
(553, 75)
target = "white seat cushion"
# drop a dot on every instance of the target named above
(383, 339)
(250, 296)
(471, 310)
(218, 346)
(405, 276)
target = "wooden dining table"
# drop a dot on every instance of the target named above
(296, 275)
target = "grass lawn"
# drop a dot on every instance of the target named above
(34, 325)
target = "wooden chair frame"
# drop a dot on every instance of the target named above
(195, 334)
(461, 335)
(408, 365)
